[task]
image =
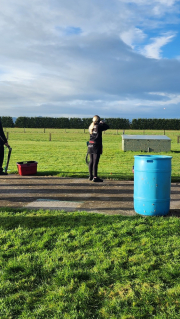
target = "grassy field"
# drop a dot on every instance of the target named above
(77, 265)
(88, 266)
(65, 154)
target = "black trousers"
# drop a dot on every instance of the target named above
(1, 157)
(93, 164)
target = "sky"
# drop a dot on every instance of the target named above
(66, 58)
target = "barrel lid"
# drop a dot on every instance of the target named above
(153, 156)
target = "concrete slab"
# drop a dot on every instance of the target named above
(109, 197)
(54, 205)
(174, 204)
(42, 192)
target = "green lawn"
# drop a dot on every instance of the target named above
(86, 266)
(65, 154)
(78, 265)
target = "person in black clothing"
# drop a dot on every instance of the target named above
(95, 146)
(3, 141)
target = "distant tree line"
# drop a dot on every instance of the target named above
(7, 121)
(62, 122)
(155, 124)
(114, 123)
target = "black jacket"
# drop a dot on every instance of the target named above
(95, 143)
(3, 138)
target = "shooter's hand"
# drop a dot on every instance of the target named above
(7, 145)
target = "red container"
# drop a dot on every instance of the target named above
(27, 168)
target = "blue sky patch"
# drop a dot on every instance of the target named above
(70, 30)
(73, 30)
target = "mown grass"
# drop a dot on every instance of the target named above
(83, 266)
(65, 154)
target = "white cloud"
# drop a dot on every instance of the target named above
(168, 3)
(154, 49)
(169, 99)
(133, 35)
(15, 75)
(73, 57)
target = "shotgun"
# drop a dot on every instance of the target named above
(9, 155)
(2, 139)
(8, 159)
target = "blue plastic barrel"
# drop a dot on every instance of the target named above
(152, 184)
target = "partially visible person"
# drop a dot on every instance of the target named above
(95, 146)
(3, 141)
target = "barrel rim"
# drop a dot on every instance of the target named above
(153, 156)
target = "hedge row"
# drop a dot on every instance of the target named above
(156, 124)
(7, 121)
(61, 122)
(114, 123)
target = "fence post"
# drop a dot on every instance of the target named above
(24, 130)
(178, 138)
(7, 135)
(164, 132)
(44, 130)
(49, 136)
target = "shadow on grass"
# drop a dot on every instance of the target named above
(173, 213)
(64, 220)
(116, 176)
(57, 174)
(54, 173)
(113, 176)
(175, 179)
(62, 174)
